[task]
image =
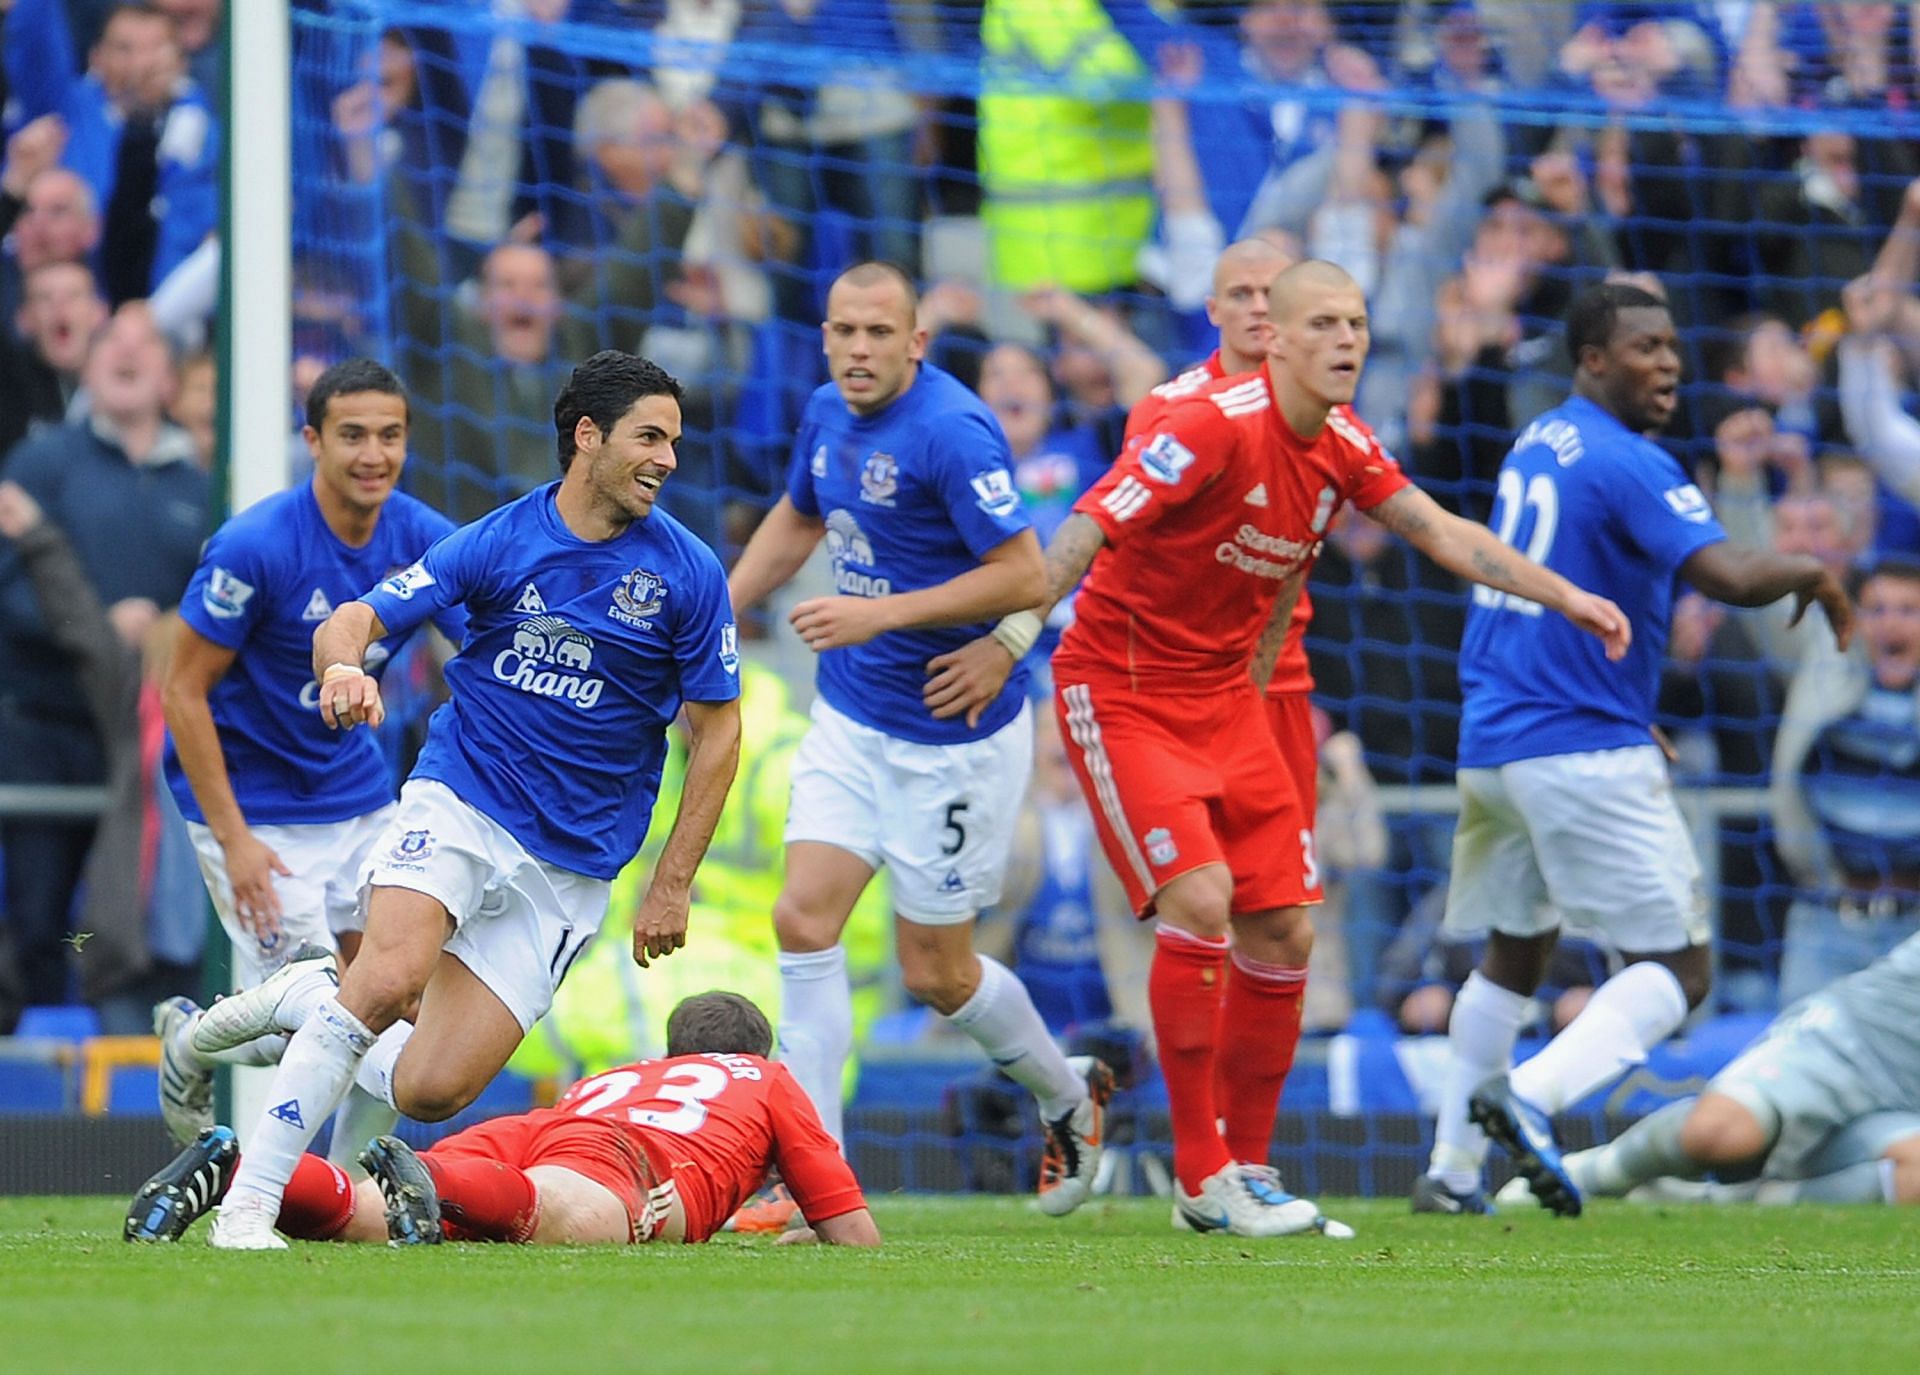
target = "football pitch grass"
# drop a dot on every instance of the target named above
(987, 1285)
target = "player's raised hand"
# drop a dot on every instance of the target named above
(251, 866)
(1598, 616)
(967, 680)
(1833, 599)
(660, 926)
(350, 697)
(838, 622)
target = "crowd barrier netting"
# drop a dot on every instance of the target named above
(484, 197)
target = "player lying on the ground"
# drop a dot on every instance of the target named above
(661, 1150)
(1824, 1108)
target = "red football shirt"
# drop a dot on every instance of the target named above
(1230, 502)
(716, 1123)
(1291, 672)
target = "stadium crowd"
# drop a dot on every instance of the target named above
(485, 203)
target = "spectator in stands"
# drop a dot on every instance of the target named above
(1065, 168)
(123, 487)
(514, 176)
(1846, 790)
(142, 907)
(138, 130)
(1350, 837)
(196, 23)
(195, 400)
(1445, 186)
(1880, 350)
(57, 223)
(1762, 359)
(840, 137)
(1810, 243)
(59, 315)
(1101, 366)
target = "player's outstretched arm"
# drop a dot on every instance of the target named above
(782, 543)
(1009, 577)
(197, 664)
(849, 1229)
(966, 681)
(348, 696)
(1760, 577)
(1470, 550)
(713, 755)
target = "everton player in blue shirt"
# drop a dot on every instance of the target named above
(1566, 812)
(593, 618)
(905, 474)
(282, 811)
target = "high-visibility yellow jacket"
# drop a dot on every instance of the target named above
(1066, 165)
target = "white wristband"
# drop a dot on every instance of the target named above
(1016, 633)
(342, 671)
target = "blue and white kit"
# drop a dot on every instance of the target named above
(1566, 812)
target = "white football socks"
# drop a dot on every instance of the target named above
(313, 1078)
(1627, 1016)
(816, 1027)
(1001, 1017)
(361, 1118)
(1485, 1023)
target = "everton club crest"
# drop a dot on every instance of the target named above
(639, 595)
(879, 479)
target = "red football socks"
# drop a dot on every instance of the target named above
(318, 1202)
(484, 1200)
(1259, 1032)
(1184, 990)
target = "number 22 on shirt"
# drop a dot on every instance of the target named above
(1514, 497)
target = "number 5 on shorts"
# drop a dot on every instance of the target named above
(954, 833)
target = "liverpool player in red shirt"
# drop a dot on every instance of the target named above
(662, 1150)
(1158, 685)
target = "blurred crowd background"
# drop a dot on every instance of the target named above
(486, 192)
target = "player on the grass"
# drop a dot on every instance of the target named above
(905, 473)
(662, 1150)
(282, 810)
(1824, 1108)
(1193, 548)
(593, 618)
(1566, 811)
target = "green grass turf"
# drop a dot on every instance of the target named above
(988, 1285)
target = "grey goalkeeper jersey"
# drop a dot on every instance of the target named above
(1882, 1006)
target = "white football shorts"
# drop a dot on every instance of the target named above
(940, 818)
(1593, 840)
(521, 921)
(318, 900)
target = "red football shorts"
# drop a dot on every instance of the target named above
(1175, 783)
(599, 1150)
(1291, 716)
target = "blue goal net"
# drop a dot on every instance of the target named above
(487, 193)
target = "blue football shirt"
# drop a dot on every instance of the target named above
(1612, 512)
(266, 580)
(912, 496)
(578, 656)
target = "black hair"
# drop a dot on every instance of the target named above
(353, 376)
(603, 389)
(1595, 314)
(1905, 567)
(718, 1023)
